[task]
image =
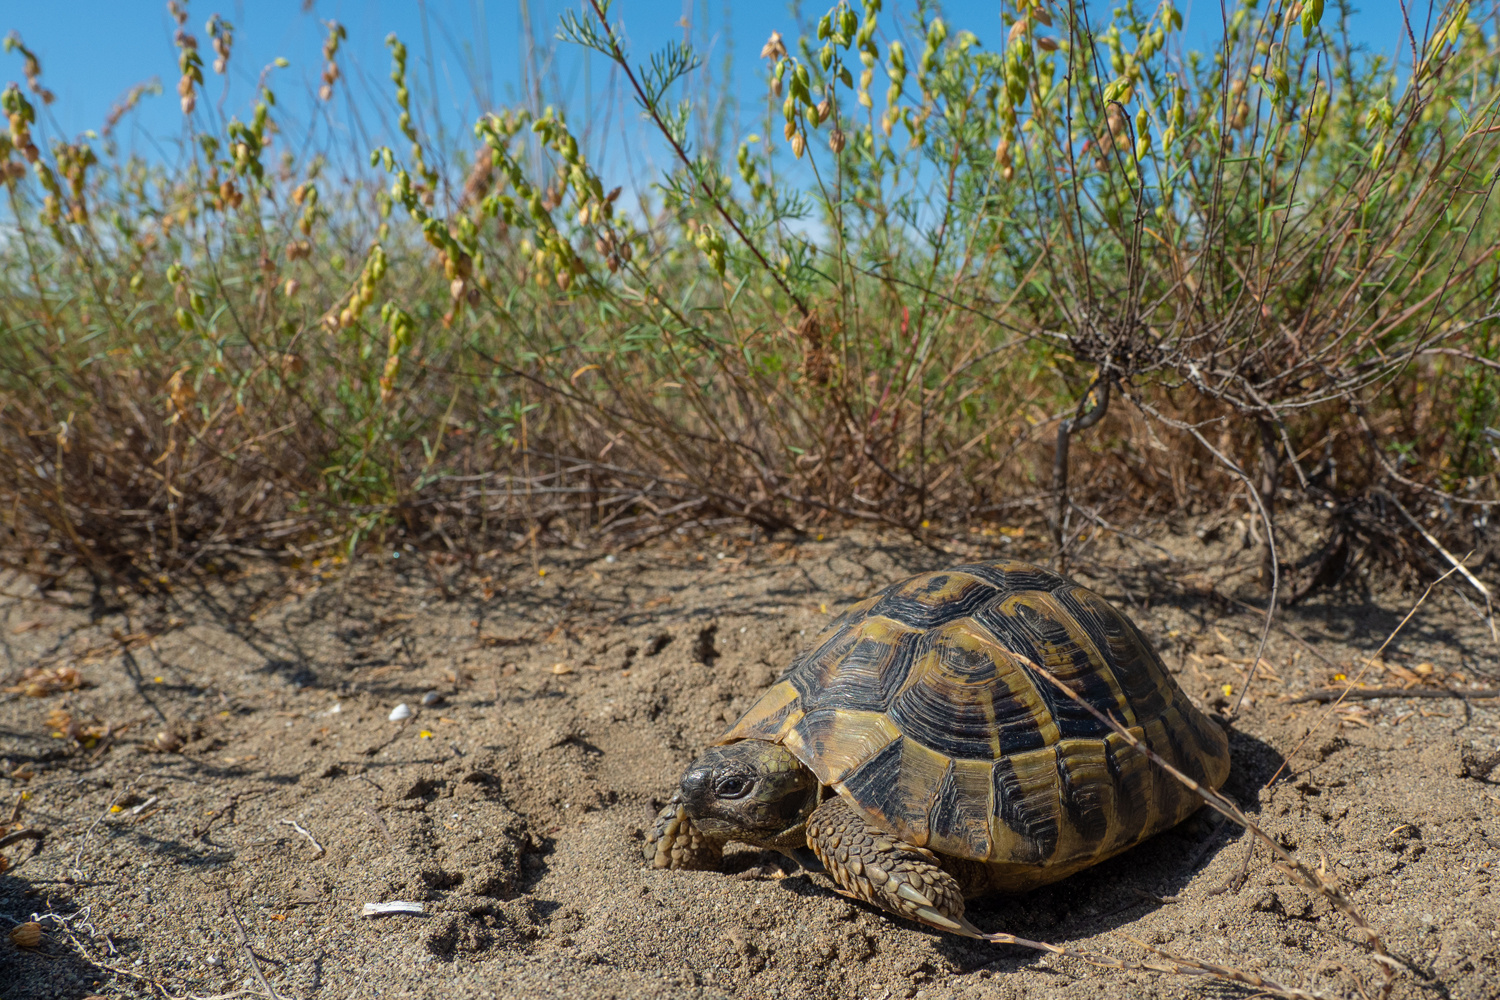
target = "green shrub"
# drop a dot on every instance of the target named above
(935, 264)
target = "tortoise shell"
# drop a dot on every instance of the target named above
(921, 706)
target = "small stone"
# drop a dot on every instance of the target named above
(562, 668)
(431, 698)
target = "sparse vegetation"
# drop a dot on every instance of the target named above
(1258, 276)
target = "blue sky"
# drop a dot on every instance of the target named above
(466, 56)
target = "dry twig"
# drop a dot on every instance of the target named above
(310, 838)
(1326, 695)
(1290, 865)
(244, 943)
(1354, 681)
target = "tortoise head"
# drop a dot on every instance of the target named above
(752, 791)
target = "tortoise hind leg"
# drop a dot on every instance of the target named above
(873, 866)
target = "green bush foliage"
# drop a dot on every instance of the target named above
(1278, 259)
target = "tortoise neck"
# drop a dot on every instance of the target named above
(794, 837)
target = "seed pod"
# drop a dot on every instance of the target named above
(27, 935)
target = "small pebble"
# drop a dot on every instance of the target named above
(431, 698)
(400, 713)
(561, 668)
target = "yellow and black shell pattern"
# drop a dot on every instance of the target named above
(921, 705)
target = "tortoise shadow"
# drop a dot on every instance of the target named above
(54, 970)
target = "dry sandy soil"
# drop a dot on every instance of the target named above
(252, 795)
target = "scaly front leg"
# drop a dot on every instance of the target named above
(673, 841)
(874, 866)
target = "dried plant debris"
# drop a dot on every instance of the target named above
(39, 682)
(81, 728)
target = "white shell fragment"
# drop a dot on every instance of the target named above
(400, 713)
(431, 698)
(394, 906)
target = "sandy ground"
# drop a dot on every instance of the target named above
(253, 795)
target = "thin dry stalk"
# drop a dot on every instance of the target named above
(1293, 868)
(1178, 965)
(1454, 561)
(1354, 681)
(243, 940)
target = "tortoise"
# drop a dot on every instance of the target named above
(917, 754)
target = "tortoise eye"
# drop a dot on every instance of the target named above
(732, 786)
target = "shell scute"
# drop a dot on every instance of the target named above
(1131, 773)
(966, 697)
(1027, 816)
(770, 718)
(1172, 798)
(899, 785)
(1086, 789)
(837, 740)
(1136, 668)
(867, 674)
(960, 820)
(930, 599)
(1013, 576)
(1037, 623)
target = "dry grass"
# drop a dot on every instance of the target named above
(247, 355)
